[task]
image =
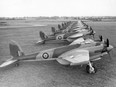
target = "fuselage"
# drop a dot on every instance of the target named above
(56, 52)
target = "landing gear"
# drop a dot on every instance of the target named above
(90, 68)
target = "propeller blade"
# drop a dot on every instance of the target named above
(107, 42)
(100, 37)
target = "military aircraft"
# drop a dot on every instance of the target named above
(61, 28)
(76, 54)
(86, 40)
(81, 24)
(74, 26)
(68, 36)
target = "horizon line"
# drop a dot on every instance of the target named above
(53, 16)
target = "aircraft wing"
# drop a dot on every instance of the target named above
(76, 35)
(77, 41)
(88, 41)
(8, 62)
(76, 57)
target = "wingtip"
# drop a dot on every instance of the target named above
(12, 42)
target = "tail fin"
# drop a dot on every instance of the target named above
(59, 26)
(53, 30)
(42, 35)
(15, 50)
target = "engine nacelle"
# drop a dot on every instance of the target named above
(62, 61)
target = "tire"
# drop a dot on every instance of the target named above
(88, 69)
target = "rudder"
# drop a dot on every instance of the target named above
(15, 50)
(42, 35)
(53, 30)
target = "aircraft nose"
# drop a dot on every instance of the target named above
(110, 47)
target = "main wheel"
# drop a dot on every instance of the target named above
(91, 71)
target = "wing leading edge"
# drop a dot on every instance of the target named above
(76, 57)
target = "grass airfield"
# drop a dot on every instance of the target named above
(51, 73)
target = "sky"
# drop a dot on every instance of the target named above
(35, 8)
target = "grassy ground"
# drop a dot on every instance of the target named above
(51, 73)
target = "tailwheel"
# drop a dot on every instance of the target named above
(91, 69)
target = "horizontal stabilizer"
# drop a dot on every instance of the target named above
(6, 63)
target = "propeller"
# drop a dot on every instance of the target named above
(100, 37)
(107, 42)
(107, 47)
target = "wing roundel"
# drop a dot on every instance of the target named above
(44, 55)
(60, 37)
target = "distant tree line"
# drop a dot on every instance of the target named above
(92, 18)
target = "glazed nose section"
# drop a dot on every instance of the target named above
(110, 47)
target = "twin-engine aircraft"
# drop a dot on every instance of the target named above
(69, 27)
(69, 36)
(65, 27)
(74, 31)
(76, 54)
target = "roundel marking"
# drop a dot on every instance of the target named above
(59, 37)
(45, 55)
